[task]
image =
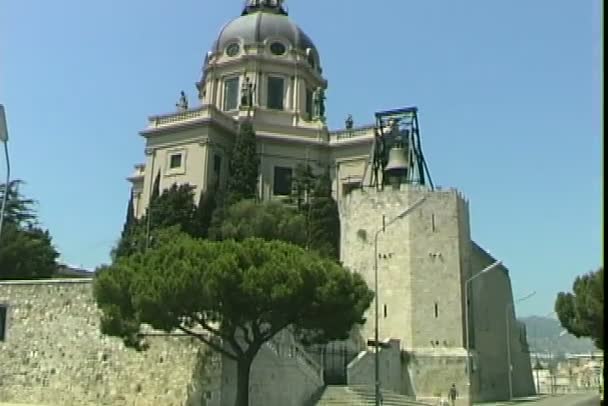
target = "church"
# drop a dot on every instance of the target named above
(265, 69)
(443, 313)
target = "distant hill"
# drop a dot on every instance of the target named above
(544, 336)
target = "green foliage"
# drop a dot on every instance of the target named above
(312, 195)
(155, 188)
(19, 210)
(26, 253)
(302, 185)
(174, 207)
(130, 217)
(324, 219)
(26, 250)
(204, 213)
(266, 220)
(582, 312)
(244, 166)
(242, 292)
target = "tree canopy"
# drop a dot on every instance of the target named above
(26, 249)
(312, 195)
(581, 312)
(241, 292)
(174, 207)
(19, 210)
(265, 220)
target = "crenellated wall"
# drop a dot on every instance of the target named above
(419, 262)
(424, 260)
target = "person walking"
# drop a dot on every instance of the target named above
(453, 394)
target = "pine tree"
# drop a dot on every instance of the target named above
(244, 166)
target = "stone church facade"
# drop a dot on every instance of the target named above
(264, 68)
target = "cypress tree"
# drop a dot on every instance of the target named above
(130, 217)
(324, 219)
(244, 166)
(204, 213)
(155, 189)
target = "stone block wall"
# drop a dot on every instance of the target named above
(490, 297)
(362, 370)
(54, 354)
(419, 262)
(430, 374)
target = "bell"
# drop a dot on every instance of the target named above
(396, 167)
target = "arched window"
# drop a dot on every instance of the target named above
(276, 92)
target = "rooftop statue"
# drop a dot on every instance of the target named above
(182, 104)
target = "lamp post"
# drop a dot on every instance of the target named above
(507, 307)
(4, 140)
(376, 334)
(466, 320)
(552, 371)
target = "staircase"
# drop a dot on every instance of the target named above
(362, 395)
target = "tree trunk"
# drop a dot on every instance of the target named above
(242, 381)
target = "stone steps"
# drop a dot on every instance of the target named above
(362, 395)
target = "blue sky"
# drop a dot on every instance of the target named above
(509, 94)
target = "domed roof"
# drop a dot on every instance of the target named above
(262, 20)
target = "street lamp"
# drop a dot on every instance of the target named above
(4, 140)
(507, 307)
(466, 320)
(552, 343)
(376, 340)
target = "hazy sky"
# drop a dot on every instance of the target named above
(509, 96)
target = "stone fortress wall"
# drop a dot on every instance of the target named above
(424, 260)
(54, 354)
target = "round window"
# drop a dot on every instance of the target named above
(277, 48)
(233, 49)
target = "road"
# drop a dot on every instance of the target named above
(576, 399)
(579, 399)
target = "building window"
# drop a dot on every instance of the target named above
(436, 310)
(433, 227)
(231, 94)
(349, 187)
(282, 181)
(385, 311)
(309, 101)
(3, 321)
(175, 161)
(311, 60)
(233, 49)
(277, 48)
(276, 91)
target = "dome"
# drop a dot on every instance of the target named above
(262, 22)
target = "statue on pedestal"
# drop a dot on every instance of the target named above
(349, 123)
(247, 92)
(182, 104)
(319, 103)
